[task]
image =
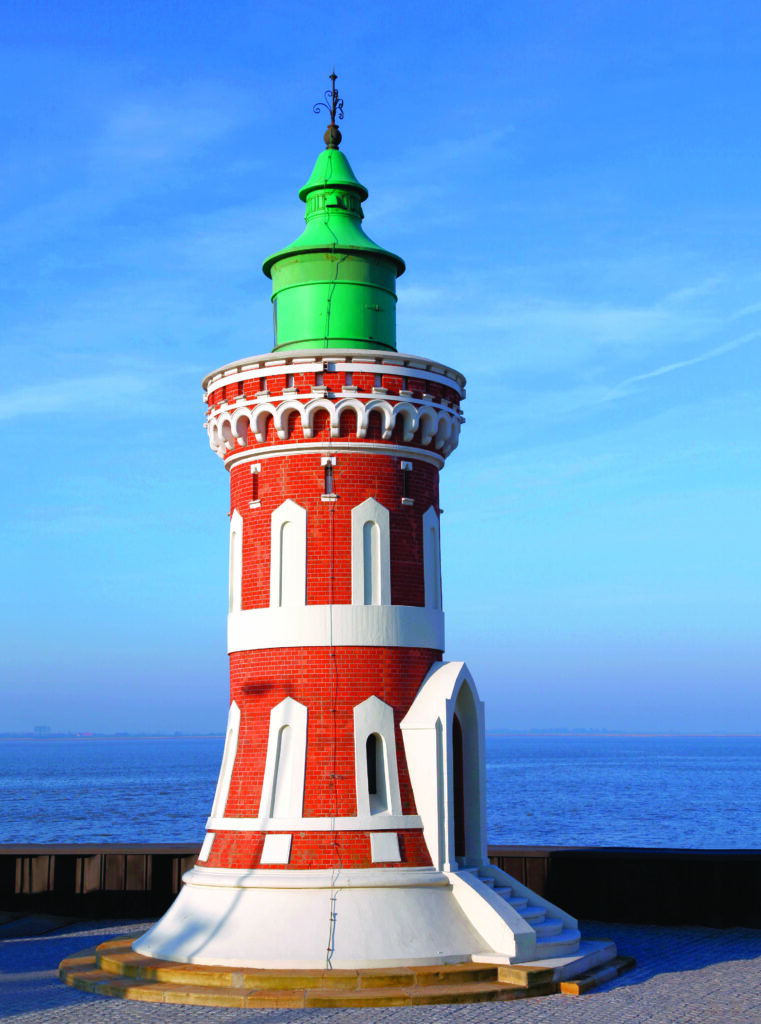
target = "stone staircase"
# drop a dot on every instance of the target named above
(553, 937)
(114, 969)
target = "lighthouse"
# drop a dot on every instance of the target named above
(348, 827)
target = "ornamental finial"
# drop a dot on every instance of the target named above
(334, 106)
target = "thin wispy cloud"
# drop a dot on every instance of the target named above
(69, 395)
(124, 393)
(158, 127)
(682, 364)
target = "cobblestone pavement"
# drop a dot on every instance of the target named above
(683, 976)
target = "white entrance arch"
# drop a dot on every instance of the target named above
(429, 743)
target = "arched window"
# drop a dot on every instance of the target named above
(288, 556)
(376, 774)
(431, 559)
(236, 558)
(370, 555)
(283, 784)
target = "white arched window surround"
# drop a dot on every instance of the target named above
(236, 562)
(432, 559)
(370, 554)
(283, 786)
(228, 762)
(373, 716)
(288, 555)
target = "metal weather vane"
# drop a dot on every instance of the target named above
(332, 103)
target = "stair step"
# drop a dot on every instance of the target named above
(597, 976)
(486, 881)
(518, 902)
(458, 983)
(549, 926)
(505, 891)
(533, 914)
(563, 944)
(127, 975)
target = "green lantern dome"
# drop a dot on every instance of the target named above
(334, 287)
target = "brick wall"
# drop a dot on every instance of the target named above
(356, 477)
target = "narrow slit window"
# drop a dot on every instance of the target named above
(371, 748)
(376, 774)
(329, 478)
(406, 470)
(289, 380)
(319, 379)
(378, 380)
(262, 383)
(349, 378)
(254, 487)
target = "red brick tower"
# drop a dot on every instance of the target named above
(351, 792)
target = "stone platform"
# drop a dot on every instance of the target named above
(684, 975)
(114, 969)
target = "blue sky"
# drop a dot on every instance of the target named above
(575, 190)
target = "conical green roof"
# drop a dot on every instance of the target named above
(334, 286)
(333, 170)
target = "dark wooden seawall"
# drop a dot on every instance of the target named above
(718, 888)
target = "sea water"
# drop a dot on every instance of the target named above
(693, 792)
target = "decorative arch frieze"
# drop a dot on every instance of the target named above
(438, 426)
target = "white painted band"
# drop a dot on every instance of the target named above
(359, 878)
(363, 823)
(345, 360)
(338, 625)
(333, 447)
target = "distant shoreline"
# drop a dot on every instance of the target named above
(491, 733)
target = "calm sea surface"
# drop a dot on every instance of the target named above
(564, 790)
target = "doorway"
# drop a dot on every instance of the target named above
(458, 787)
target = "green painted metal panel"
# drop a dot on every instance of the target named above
(334, 287)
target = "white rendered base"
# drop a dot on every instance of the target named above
(315, 919)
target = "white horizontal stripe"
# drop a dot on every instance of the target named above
(331, 447)
(316, 878)
(359, 361)
(366, 823)
(338, 625)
